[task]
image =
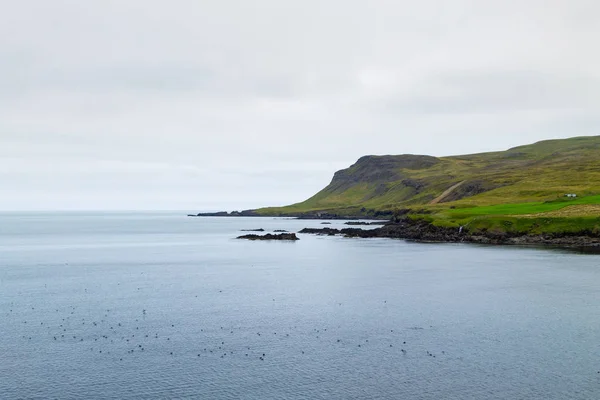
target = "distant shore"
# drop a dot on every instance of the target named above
(384, 216)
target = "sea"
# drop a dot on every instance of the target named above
(158, 305)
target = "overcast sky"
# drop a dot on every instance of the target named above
(233, 104)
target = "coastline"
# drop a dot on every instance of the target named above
(322, 215)
(419, 230)
(422, 231)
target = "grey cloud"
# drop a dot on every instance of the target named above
(164, 80)
(495, 91)
(206, 104)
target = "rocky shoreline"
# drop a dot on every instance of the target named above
(422, 231)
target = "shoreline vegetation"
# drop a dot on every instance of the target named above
(547, 193)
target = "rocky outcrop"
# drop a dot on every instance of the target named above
(323, 231)
(268, 236)
(420, 230)
(253, 230)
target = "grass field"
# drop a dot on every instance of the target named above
(559, 216)
(527, 208)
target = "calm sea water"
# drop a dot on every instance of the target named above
(158, 305)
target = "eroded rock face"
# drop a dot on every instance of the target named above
(469, 189)
(380, 169)
(269, 236)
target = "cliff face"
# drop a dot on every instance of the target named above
(379, 170)
(537, 172)
(381, 167)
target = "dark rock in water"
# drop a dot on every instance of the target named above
(320, 231)
(325, 223)
(268, 236)
(280, 230)
(405, 228)
(348, 232)
(253, 230)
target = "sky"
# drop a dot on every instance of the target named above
(235, 104)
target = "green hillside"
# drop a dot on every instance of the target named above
(523, 181)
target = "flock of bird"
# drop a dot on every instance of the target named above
(110, 333)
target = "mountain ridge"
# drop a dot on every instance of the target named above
(541, 171)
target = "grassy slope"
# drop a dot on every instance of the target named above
(558, 216)
(501, 191)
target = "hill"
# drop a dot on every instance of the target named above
(527, 181)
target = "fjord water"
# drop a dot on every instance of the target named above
(159, 305)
